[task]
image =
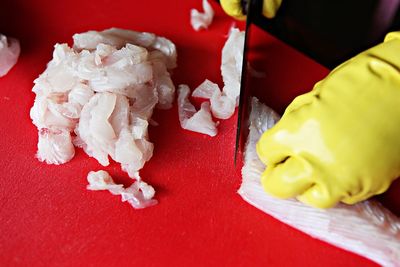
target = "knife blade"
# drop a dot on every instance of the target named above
(253, 10)
(312, 28)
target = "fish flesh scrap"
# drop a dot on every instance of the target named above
(367, 228)
(222, 106)
(9, 53)
(201, 20)
(206, 90)
(223, 103)
(119, 37)
(100, 95)
(192, 120)
(161, 53)
(55, 146)
(139, 194)
(231, 64)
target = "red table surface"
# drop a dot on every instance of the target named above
(47, 216)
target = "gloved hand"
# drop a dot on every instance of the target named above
(234, 8)
(341, 141)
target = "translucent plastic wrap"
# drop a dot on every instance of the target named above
(366, 228)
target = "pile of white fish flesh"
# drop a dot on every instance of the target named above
(100, 94)
(366, 228)
(222, 103)
(201, 20)
(190, 119)
(9, 53)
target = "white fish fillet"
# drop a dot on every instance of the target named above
(139, 194)
(367, 228)
(201, 20)
(192, 120)
(9, 53)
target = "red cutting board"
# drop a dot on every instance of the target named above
(48, 218)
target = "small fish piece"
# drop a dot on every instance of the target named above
(94, 128)
(101, 180)
(222, 106)
(223, 103)
(192, 120)
(206, 90)
(231, 64)
(139, 195)
(55, 146)
(133, 153)
(9, 53)
(201, 20)
(119, 37)
(367, 228)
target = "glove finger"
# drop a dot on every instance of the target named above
(287, 179)
(357, 198)
(305, 99)
(270, 7)
(318, 197)
(233, 8)
(366, 193)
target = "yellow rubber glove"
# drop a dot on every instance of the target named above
(234, 8)
(341, 141)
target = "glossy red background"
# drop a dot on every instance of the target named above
(47, 216)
